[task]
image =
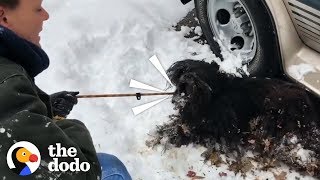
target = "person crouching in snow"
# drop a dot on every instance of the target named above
(27, 113)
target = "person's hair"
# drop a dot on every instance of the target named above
(12, 4)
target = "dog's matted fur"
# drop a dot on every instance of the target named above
(271, 117)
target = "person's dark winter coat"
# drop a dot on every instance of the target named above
(26, 113)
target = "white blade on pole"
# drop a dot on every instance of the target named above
(139, 109)
(156, 63)
(139, 85)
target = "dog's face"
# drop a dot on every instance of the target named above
(194, 89)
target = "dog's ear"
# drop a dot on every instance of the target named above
(175, 71)
(179, 68)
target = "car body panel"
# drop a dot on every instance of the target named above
(306, 20)
(294, 50)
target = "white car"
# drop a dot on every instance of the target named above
(272, 36)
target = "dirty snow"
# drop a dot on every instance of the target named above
(97, 47)
(299, 71)
(2, 130)
(197, 30)
(47, 125)
(304, 155)
(8, 135)
(294, 140)
(232, 62)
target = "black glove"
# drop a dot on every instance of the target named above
(63, 102)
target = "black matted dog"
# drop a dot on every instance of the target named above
(272, 117)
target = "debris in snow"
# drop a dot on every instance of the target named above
(302, 154)
(193, 175)
(47, 125)
(189, 27)
(188, 21)
(299, 71)
(267, 143)
(197, 177)
(2, 130)
(222, 174)
(214, 157)
(9, 135)
(251, 141)
(243, 166)
(294, 140)
(281, 176)
(269, 152)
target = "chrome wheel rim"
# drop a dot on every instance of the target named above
(232, 26)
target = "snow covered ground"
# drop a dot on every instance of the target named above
(97, 47)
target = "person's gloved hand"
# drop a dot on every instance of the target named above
(63, 102)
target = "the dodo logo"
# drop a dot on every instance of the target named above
(23, 158)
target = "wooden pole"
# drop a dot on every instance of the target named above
(124, 95)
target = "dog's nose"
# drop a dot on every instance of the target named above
(181, 88)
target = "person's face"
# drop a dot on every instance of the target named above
(26, 20)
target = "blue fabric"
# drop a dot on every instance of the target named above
(112, 168)
(30, 56)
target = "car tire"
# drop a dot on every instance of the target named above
(266, 61)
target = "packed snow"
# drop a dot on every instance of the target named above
(98, 47)
(300, 70)
(2, 130)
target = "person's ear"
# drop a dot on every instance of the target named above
(3, 18)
